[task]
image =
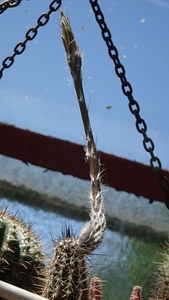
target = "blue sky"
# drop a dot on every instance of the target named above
(37, 91)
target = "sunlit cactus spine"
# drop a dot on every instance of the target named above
(160, 288)
(67, 277)
(21, 256)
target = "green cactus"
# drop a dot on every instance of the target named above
(67, 277)
(160, 288)
(21, 257)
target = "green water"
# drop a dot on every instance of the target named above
(121, 262)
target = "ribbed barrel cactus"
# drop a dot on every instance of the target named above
(21, 256)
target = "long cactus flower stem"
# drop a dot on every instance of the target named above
(93, 232)
(68, 275)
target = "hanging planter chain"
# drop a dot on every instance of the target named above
(134, 108)
(8, 4)
(30, 35)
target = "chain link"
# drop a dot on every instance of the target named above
(7, 4)
(134, 108)
(30, 35)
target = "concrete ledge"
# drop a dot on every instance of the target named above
(17, 180)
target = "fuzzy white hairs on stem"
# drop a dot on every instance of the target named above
(92, 233)
(68, 276)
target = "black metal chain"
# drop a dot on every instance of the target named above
(7, 4)
(134, 108)
(30, 35)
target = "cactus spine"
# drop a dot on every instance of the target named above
(160, 289)
(21, 257)
(67, 278)
(136, 293)
(95, 292)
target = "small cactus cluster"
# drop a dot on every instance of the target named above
(22, 261)
(22, 264)
(21, 257)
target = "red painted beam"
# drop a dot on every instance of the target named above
(69, 158)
